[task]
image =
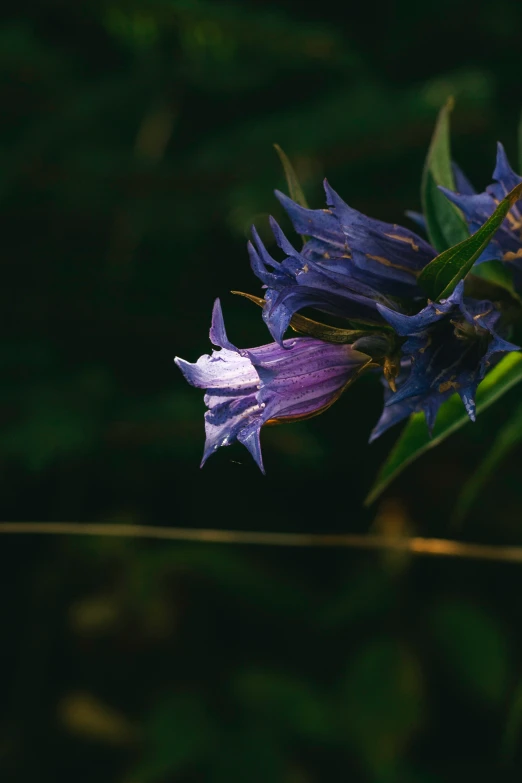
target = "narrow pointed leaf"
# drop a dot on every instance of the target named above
(330, 334)
(294, 188)
(441, 275)
(444, 222)
(509, 436)
(415, 438)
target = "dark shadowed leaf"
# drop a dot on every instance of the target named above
(178, 734)
(441, 275)
(513, 727)
(474, 647)
(415, 438)
(444, 222)
(249, 751)
(496, 272)
(292, 706)
(382, 702)
(233, 573)
(366, 592)
(507, 438)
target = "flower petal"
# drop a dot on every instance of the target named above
(247, 388)
(218, 335)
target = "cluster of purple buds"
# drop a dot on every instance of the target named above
(364, 273)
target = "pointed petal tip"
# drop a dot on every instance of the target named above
(258, 457)
(504, 173)
(253, 444)
(283, 198)
(334, 200)
(218, 334)
(184, 366)
(217, 326)
(217, 312)
(207, 452)
(255, 235)
(417, 217)
(458, 291)
(330, 193)
(470, 409)
(468, 398)
(461, 200)
(260, 464)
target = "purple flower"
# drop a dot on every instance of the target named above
(395, 412)
(450, 346)
(349, 265)
(248, 388)
(478, 207)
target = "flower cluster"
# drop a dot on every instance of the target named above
(365, 272)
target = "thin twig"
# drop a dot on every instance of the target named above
(417, 546)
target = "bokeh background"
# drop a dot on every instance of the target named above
(136, 152)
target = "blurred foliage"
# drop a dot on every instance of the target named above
(136, 151)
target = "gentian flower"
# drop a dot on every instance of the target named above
(246, 389)
(366, 272)
(450, 346)
(349, 265)
(395, 412)
(506, 245)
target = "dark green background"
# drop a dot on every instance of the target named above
(136, 152)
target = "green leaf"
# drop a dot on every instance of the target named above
(441, 275)
(246, 750)
(382, 702)
(496, 272)
(444, 222)
(507, 438)
(475, 647)
(415, 438)
(513, 727)
(178, 733)
(291, 705)
(294, 187)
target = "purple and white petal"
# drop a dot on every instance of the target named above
(246, 388)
